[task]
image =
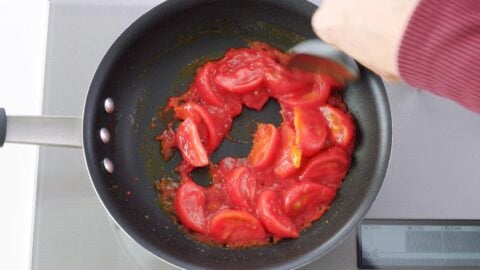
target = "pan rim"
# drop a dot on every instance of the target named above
(130, 33)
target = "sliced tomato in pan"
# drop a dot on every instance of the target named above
(236, 228)
(205, 87)
(256, 99)
(241, 81)
(328, 167)
(272, 215)
(265, 141)
(190, 206)
(318, 95)
(240, 184)
(289, 155)
(201, 116)
(311, 130)
(341, 125)
(306, 196)
(190, 144)
(282, 83)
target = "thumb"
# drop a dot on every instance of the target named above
(323, 26)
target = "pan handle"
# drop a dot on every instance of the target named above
(41, 130)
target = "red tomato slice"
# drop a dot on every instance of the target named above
(205, 87)
(272, 52)
(290, 155)
(241, 186)
(318, 95)
(305, 196)
(190, 145)
(265, 141)
(256, 99)
(190, 206)
(241, 81)
(233, 104)
(329, 167)
(236, 228)
(310, 129)
(199, 115)
(340, 124)
(282, 83)
(273, 217)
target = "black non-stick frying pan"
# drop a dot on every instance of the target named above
(156, 58)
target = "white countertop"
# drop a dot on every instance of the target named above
(23, 30)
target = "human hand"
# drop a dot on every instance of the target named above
(368, 30)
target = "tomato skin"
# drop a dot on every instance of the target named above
(236, 228)
(272, 215)
(205, 87)
(340, 124)
(305, 196)
(190, 144)
(200, 115)
(329, 167)
(290, 155)
(310, 130)
(241, 71)
(241, 81)
(190, 206)
(282, 83)
(316, 97)
(240, 184)
(265, 141)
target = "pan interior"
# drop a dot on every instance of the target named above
(156, 58)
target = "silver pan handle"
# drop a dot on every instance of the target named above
(41, 130)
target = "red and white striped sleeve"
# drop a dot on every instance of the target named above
(440, 50)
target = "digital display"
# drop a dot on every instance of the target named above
(418, 243)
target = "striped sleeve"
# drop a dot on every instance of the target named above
(440, 50)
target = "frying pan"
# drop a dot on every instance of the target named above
(156, 58)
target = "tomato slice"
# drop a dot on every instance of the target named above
(241, 81)
(265, 141)
(281, 82)
(310, 129)
(236, 228)
(305, 196)
(271, 52)
(318, 95)
(190, 145)
(240, 184)
(190, 206)
(340, 124)
(200, 115)
(204, 86)
(329, 167)
(290, 155)
(256, 99)
(273, 217)
(233, 104)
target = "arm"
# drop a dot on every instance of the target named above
(440, 50)
(431, 44)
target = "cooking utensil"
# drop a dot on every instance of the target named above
(317, 56)
(154, 59)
